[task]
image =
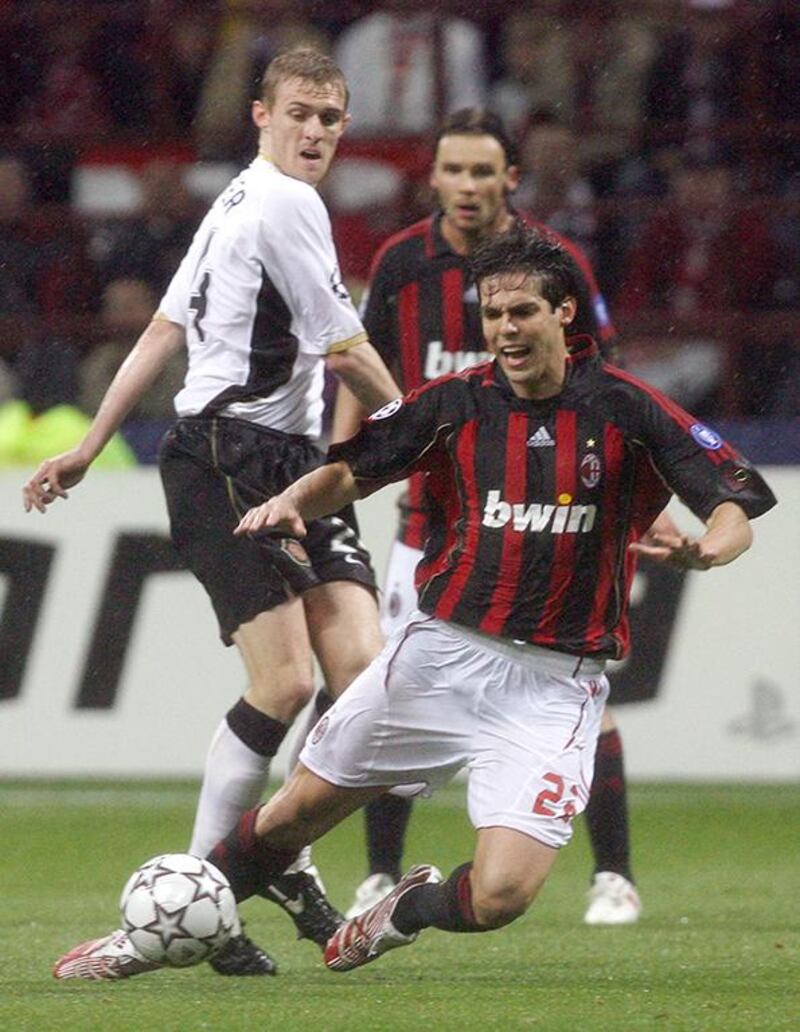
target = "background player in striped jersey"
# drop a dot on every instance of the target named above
(422, 314)
(523, 596)
(259, 304)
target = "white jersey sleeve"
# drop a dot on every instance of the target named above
(175, 303)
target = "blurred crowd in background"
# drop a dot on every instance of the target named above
(661, 135)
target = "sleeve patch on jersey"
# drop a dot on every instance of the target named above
(705, 436)
(600, 310)
(737, 478)
(386, 410)
(339, 289)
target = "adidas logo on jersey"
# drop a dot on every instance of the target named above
(541, 439)
(439, 362)
(537, 518)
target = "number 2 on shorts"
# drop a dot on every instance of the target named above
(553, 796)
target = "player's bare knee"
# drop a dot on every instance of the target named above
(300, 694)
(499, 905)
(282, 700)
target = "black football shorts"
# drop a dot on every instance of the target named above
(213, 470)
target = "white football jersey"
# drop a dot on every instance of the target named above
(261, 299)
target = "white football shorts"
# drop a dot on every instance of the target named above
(399, 598)
(522, 720)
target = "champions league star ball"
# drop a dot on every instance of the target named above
(178, 910)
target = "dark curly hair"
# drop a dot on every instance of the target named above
(529, 252)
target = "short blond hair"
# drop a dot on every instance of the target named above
(301, 63)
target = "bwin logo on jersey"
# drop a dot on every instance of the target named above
(536, 518)
(439, 362)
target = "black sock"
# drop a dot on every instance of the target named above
(447, 906)
(248, 862)
(386, 819)
(607, 810)
(323, 701)
(259, 732)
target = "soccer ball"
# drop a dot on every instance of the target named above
(178, 910)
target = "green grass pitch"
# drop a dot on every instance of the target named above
(717, 950)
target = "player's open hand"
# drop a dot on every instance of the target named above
(675, 549)
(52, 478)
(277, 514)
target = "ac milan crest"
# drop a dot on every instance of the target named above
(590, 470)
(319, 730)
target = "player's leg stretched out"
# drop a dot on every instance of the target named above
(470, 900)
(613, 899)
(253, 868)
(366, 737)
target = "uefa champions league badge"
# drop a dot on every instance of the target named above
(600, 310)
(386, 410)
(337, 286)
(705, 436)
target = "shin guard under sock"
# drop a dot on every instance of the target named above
(386, 819)
(249, 863)
(447, 906)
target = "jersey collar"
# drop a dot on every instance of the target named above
(437, 247)
(583, 354)
(581, 347)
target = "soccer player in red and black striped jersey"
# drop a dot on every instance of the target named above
(421, 312)
(546, 469)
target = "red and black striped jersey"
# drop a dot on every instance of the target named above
(421, 311)
(533, 503)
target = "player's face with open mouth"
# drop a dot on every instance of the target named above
(471, 178)
(303, 126)
(525, 333)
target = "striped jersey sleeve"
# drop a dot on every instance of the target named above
(697, 465)
(397, 440)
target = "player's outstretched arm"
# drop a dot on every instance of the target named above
(318, 493)
(728, 534)
(146, 360)
(363, 370)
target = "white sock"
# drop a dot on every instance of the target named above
(234, 780)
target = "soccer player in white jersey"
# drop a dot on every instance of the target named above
(260, 306)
